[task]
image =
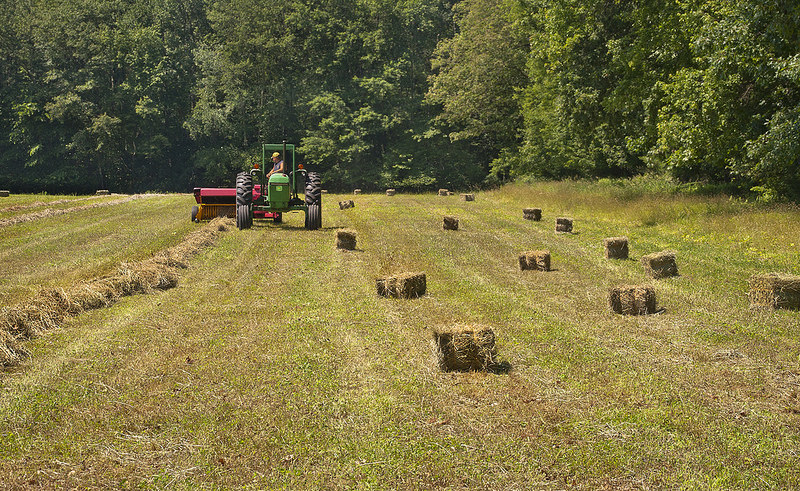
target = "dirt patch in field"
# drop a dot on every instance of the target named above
(52, 212)
(52, 306)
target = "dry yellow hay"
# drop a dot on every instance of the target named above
(390, 192)
(443, 192)
(48, 308)
(343, 205)
(632, 299)
(404, 285)
(450, 223)
(464, 348)
(345, 239)
(467, 197)
(616, 247)
(563, 225)
(535, 260)
(534, 214)
(775, 290)
(660, 264)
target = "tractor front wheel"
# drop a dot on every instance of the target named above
(195, 211)
(243, 219)
(313, 217)
(278, 218)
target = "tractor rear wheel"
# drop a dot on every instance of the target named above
(313, 189)
(195, 211)
(313, 217)
(244, 189)
(243, 219)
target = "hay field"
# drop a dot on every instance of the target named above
(274, 364)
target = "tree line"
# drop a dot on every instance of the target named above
(415, 94)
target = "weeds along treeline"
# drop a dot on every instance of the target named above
(413, 95)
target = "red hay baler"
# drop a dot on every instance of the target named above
(221, 202)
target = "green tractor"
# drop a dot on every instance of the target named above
(280, 194)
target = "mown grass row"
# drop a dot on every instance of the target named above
(274, 363)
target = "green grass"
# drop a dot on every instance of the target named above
(273, 364)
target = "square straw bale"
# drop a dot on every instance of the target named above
(534, 214)
(632, 299)
(535, 260)
(390, 192)
(775, 290)
(345, 239)
(467, 197)
(450, 223)
(443, 192)
(405, 285)
(616, 247)
(343, 205)
(4, 193)
(102, 192)
(660, 264)
(356, 191)
(563, 225)
(464, 348)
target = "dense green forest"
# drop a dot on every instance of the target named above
(414, 94)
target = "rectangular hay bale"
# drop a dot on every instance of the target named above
(464, 348)
(616, 247)
(660, 264)
(390, 192)
(632, 299)
(405, 285)
(450, 223)
(535, 260)
(343, 205)
(775, 290)
(443, 192)
(563, 225)
(467, 197)
(4, 193)
(534, 214)
(356, 191)
(346, 239)
(102, 192)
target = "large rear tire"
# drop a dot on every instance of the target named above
(313, 217)
(313, 189)
(243, 218)
(244, 189)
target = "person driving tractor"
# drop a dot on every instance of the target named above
(277, 166)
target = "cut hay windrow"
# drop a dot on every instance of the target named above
(51, 306)
(50, 212)
(39, 204)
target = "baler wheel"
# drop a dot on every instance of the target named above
(278, 218)
(195, 211)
